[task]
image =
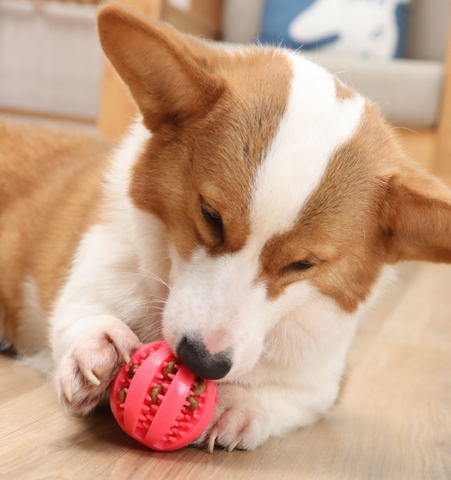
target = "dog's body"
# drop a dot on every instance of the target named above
(251, 229)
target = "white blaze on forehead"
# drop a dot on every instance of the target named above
(314, 125)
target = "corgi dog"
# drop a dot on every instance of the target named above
(249, 217)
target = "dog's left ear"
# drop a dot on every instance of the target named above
(416, 217)
(169, 74)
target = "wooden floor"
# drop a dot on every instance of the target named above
(393, 420)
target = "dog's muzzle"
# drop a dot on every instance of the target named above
(193, 353)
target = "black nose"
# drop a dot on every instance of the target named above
(194, 355)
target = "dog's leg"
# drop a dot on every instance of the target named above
(240, 421)
(246, 417)
(89, 341)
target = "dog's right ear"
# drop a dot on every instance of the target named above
(169, 74)
(416, 216)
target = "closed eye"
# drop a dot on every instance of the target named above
(213, 219)
(297, 267)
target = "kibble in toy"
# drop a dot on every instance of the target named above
(159, 402)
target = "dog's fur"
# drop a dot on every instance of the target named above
(258, 160)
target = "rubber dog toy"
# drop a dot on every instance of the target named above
(159, 402)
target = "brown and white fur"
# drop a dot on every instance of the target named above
(251, 215)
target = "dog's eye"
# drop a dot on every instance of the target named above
(214, 220)
(297, 266)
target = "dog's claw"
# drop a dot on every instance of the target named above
(91, 377)
(126, 357)
(100, 372)
(211, 441)
(68, 392)
(232, 446)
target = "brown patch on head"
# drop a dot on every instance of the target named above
(373, 206)
(215, 157)
(342, 92)
(336, 228)
(213, 115)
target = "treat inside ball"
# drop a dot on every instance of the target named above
(159, 402)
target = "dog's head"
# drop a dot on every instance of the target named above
(277, 186)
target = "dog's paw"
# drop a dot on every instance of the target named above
(86, 371)
(240, 421)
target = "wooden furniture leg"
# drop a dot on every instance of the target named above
(443, 158)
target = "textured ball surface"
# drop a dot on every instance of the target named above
(159, 402)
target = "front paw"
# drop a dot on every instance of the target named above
(86, 371)
(240, 421)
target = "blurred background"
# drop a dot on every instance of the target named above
(393, 51)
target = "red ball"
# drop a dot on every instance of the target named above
(159, 402)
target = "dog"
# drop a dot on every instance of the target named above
(250, 217)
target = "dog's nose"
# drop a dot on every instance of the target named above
(193, 353)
